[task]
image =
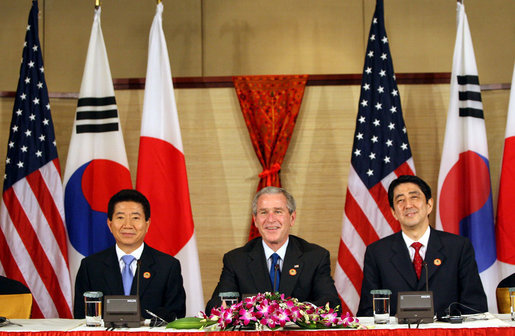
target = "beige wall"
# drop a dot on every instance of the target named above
(227, 37)
(243, 37)
(222, 167)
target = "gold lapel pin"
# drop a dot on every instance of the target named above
(146, 275)
(437, 262)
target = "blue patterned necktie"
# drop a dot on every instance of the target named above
(275, 272)
(127, 275)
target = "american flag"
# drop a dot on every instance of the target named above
(380, 153)
(33, 237)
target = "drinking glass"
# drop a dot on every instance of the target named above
(381, 305)
(93, 306)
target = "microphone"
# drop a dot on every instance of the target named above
(276, 273)
(137, 276)
(427, 276)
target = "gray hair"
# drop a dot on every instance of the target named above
(290, 201)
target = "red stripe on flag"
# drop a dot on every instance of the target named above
(6, 258)
(49, 209)
(13, 271)
(36, 311)
(57, 166)
(380, 196)
(344, 308)
(37, 253)
(404, 169)
(350, 266)
(162, 178)
(359, 220)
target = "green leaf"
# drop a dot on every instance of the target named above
(190, 323)
(305, 325)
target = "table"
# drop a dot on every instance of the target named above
(494, 325)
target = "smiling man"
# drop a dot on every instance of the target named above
(398, 262)
(277, 259)
(114, 270)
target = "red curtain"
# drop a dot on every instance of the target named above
(270, 106)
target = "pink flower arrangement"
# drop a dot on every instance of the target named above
(275, 311)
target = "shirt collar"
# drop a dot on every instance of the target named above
(281, 251)
(423, 240)
(136, 253)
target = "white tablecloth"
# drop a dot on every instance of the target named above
(488, 320)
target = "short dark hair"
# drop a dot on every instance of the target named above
(128, 195)
(426, 189)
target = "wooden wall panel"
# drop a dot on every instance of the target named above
(66, 28)
(428, 43)
(13, 23)
(222, 167)
(244, 37)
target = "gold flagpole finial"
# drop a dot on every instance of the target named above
(97, 4)
(158, 2)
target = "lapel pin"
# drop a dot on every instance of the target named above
(146, 275)
(293, 271)
(437, 262)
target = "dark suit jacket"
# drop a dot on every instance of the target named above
(452, 272)
(507, 282)
(10, 286)
(160, 288)
(305, 275)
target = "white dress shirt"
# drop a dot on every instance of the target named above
(136, 254)
(423, 240)
(281, 252)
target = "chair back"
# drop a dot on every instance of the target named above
(16, 306)
(503, 300)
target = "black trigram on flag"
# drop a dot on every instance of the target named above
(470, 97)
(95, 115)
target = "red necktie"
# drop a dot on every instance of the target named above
(417, 260)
